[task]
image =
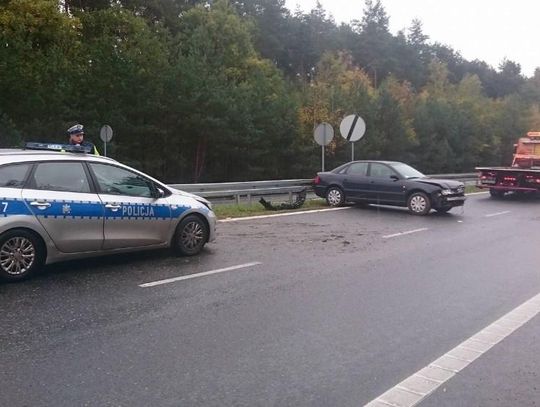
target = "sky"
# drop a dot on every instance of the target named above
(489, 30)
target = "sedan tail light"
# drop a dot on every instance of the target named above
(317, 180)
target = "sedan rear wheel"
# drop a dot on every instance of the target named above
(190, 237)
(335, 196)
(419, 203)
(21, 255)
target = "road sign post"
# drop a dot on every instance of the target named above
(323, 135)
(105, 135)
(352, 128)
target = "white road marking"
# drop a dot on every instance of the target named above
(496, 214)
(477, 193)
(275, 215)
(206, 273)
(418, 386)
(405, 233)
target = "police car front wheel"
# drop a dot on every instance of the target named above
(191, 235)
(21, 254)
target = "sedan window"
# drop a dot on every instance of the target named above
(380, 170)
(61, 176)
(357, 169)
(13, 176)
(118, 181)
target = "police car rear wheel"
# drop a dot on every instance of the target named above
(191, 236)
(21, 254)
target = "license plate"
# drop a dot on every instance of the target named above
(488, 181)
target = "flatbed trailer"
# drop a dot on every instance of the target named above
(524, 174)
(500, 180)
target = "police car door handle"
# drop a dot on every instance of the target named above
(40, 205)
(113, 207)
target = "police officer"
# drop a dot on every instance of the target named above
(76, 137)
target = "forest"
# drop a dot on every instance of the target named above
(231, 90)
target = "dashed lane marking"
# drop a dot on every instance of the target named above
(421, 384)
(490, 215)
(405, 233)
(206, 273)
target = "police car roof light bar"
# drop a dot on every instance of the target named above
(57, 147)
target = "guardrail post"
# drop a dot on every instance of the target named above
(249, 199)
(290, 197)
(237, 199)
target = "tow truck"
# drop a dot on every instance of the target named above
(522, 177)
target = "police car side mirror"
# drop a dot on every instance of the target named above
(159, 193)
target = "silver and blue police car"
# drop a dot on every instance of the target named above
(59, 203)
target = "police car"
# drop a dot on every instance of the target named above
(59, 203)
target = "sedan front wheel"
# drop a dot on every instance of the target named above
(419, 203)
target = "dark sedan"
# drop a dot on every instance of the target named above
(388, 183)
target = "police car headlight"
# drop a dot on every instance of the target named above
(446, 192)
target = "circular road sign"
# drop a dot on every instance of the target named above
(106, 133)
(352, 127)
(324, 133)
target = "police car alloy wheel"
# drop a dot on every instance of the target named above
(191, 236)
(21, 254)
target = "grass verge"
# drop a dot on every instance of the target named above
(472, 188)
(242, 210)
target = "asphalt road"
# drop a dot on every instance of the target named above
(340, 307)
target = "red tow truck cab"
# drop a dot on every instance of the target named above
(522, 176)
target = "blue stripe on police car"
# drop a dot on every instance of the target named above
(89, 210)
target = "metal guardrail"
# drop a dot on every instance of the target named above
(460, 177)
(236, 190)
(250, 189)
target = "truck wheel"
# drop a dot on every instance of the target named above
(419, 203)
(21, 255)
(335, 196)
(496, 193)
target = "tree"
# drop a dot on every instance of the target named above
(310, 35)
(165, 12)
(374, 48)
(121, 80)
(232, 108)
(272, 26)
(396, 134)
(509, 78)
(339, 89)
(38, 63)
